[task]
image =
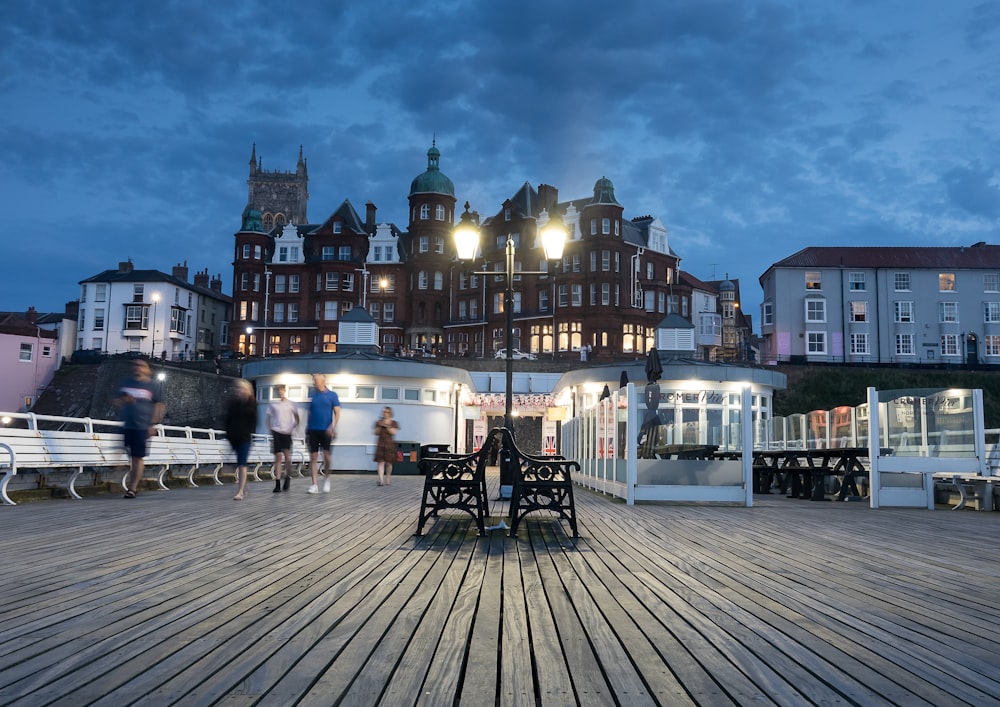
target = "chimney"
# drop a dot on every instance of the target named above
(370, 217)
(72, 310)
(201, 279)
(216, 285)
(125, 266)
(548, 196)
(181, 271)
(31, 315)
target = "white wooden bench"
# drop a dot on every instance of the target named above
(978, 489)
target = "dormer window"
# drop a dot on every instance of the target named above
(506, 214)
(338, 227)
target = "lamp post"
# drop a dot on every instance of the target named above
(152, 349)
(249, 351)
(553, 236)
(267, 292)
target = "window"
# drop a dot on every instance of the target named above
(333, 281)
(422, 280)
(283, 254)
(992, 312)
(859, 344)
(814, 281)
(102, 292)
(177, 320)
(327, 253)
(816, 342)
(767, 314)
(25, 353)
(859, 311)
(949, 345)
(256, 282)
(593, 226)
(438, 281)
(606, 293)
(344, 252)
(576, 263)
(136, 317)
(425, 212)
(423, 245)
(563, 295)
(904, 344)
(439, 212)
(605, 226)
(293, 283)
(99, 319)
(517, 303)
(439, 243)
(903, 312)
(605, 260)
(256, 252)
(991, 342)
(593, 261)
(856, 282)
(473, 308)
(338, 227)
(389, 311)
(329, 343)
(293, 311)
(330, 311)
(543, 300)
(593, 293)
(137, 292)
(991, 283)
(280, 283)
(577, 295)
(498, 303)
(348, 282)
(279, 312)
(948, 312)
(815, 310)
(506, 214)
(246, 251)
(946, 282)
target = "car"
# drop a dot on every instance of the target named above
(86, 356)
(516, 354)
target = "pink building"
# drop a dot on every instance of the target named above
(29, 357)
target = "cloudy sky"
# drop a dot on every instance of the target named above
(752, 128)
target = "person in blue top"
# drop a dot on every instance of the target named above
(141, 408)
(321, 430)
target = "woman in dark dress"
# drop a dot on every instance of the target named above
(241, 422)
(385, 445)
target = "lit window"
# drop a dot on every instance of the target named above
(814, 281)
(946, 282)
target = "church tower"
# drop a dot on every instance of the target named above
(281, 197)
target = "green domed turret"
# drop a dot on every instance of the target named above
(604, 192)
(253, 220)
(433, 181)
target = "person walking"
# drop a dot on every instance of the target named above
(321, 430)
(282, 420)
(241, 421)
(140, 406)
(385, 445)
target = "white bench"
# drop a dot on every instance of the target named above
(979, 489)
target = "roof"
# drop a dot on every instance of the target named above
(113, 276)
(976, 257)
(674, 321)
(14, 323)
(432, 181)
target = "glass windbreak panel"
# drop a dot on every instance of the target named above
(779, 427)
(928, 423)
(842, 427)
(861, 425)
(795, 430)
(817, 428)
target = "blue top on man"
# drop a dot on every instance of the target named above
(321, 429)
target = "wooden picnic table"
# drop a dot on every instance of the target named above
(804, 471)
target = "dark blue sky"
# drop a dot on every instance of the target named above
(753, 129)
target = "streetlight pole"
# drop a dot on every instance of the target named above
(152, 349)
(467, 241)
(267, 292)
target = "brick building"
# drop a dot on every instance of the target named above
(617, 280)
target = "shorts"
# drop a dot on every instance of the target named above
(242, 450)
(318, 439)
(280, 442)
(135, 442)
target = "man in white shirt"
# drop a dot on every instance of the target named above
(282, 421)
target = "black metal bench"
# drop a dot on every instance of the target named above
(456, 481)
(541, 483)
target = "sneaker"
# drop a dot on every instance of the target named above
(313, 489)
(287, 481)
(326, 486)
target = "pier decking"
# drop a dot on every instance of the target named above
(187, 597)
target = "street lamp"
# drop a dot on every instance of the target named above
(553, 237)
(249, 348)
(152, 349)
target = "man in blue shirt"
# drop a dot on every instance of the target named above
(324, 414)
(141, 409)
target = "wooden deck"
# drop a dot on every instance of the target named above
(187, 597)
